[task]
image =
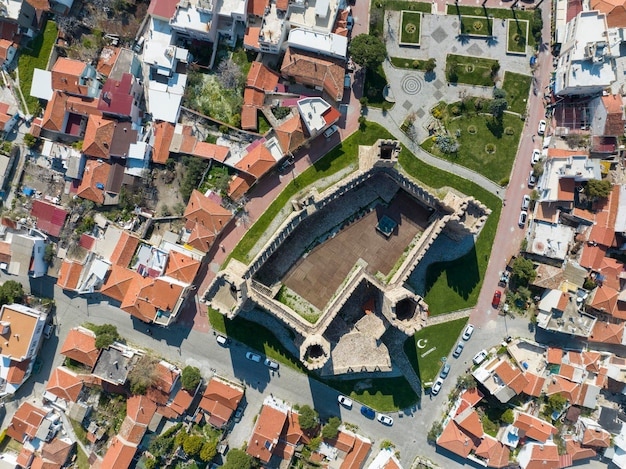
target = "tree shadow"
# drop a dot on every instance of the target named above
(430, 76)
(495, 126)
(463, 39)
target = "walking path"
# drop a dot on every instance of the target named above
(441, 318)
(384, 119)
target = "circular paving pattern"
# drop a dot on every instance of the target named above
(411, 85)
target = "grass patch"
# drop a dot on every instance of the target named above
(375, 82)
(473, 152)
(264, 125)
(80, 432)
(471, 70)
(82, 461)
(35, 56)
(441, 297)
(298, 304)
(335, 160)
(517, 34)
(388, 394)
(476, 26)
(378, 8)
(411, 64)
(517, 87)
(443, 336)
(410, 27)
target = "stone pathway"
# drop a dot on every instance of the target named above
(441, 318)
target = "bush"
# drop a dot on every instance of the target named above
(434, 432)
(589, 284)
(281, 112)
(11, 292)
(30, 140)
(331, 429)
(193, 445)
(49, 253)
(507, 417)
(208, 451)
(307, 417)
(238, 459)
(150, 463)
(190, 378)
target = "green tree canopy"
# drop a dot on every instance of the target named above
(11, 292)
(307, 417)
(507, 416)
(430, 65)
(190, 378)
(556, 402)
(208, 451)
(238, 459)
(497, 107)
(523, 271)
(193, 445)
(368, 51)
(143, 375)
(434, 432)
(49, 253)
(331, 429)
(598, 188)
(106, 334)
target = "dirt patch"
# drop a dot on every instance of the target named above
(167, 183)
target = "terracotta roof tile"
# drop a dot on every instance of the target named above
(118, 282)
(119, 454)
(577, 452)
(512, 377)
(66, 74)
(17, 371)
(456, 441)
(496, 454)
(140, 409)
(64, 384)
(57, 451)
(25, 422)
(544, 457)
(240, 185)
(257, 7)
(357, 456)
(251, 37)
(310, 69)
(249, 117)
(596, 437)
(107, 60)
(291, 134)
(69, 275)
(344, 441)
(555, 356)
(50, 218)
(220, 400)
(252, 97)
(98, 137)
(257, 162)
(535, 384)
(163, 133)
(124, 249)
(80, 346)
(182, 402)
(182, 267)
(206, 212)
(268, 429)
(470, 422)
(146, 296)
(262, 78)
(95, 176)
(533, 427)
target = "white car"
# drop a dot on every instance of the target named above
(436, 387)
(467, 333)
(541, 129)
(384, 419)
(479, 357)
(532, 179)
(345, 401)
(535, 158)
(255, 357)
(523, 216)
(223, 341)
(525, 202)
(271, 364)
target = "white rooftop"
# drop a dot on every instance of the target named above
(13, 8)
(158, 50)
(329, 44)
(164, 99)
(314, 14)
(550, 300)
(41, 86)
(311, 110)
(232, 7)
(189, 16)
(620, 221)
(272, 26)
(550, 240)
(580, 168)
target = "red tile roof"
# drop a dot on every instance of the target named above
(472, 396)
(357, 456)
(182, 402)
(563, 386)
(544, 457)
(455, 440)
(80, 346)
(257, 7)
(240, 185)
(163, 133)
(182, 267)
(576, 451)
(470, 422)
(262, 78)
(596, 437)
(25, 457)
(251, 37)
(118, 282)
(267, 431)
(65, 76)
(140, 410)
(512, 377)
(119, 454)
(535, 384)
(555, 356)
(166, 377)
(124, 249)
(107, 60)
(65, 384)
(17, 371)
(257, 162)
(291, 134)
(50, 218)
(495, 453)
(116, 96)
(86, 241)
(249, 117)
(69, 275)
(310, 69)
(534, 428)
(146, 297)
(25, 422)
(96, 175)
(99, 136)
(57, 451)
(220, 400)
(210, 151)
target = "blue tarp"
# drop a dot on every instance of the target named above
(28, 191)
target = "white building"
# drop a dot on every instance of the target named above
(332, 45)
(579, 168)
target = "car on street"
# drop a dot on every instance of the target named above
(532, 179)
(271, 364)
(523, 216)
(535, 158)
(255, 357)
(495, 301)
(458, 350)
(345, 401)
(238, 414)
(541, 128)
(223, 341)
(368, 412)
(479, 357)
(384, 419)
(504, 279)
(525, 202)
(48, 331)
(445, 371)
(436, 387)
(467, 333)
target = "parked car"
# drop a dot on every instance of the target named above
(541, 129)
(330, 130)
(504, 279)
(367, 412)
(532, 179)
(525, 202)
(467, 333)
(345, 401)
(271, 364)
(479, 357)
(436, 387)
(223, 341)
(238, 414)
(535, 158)
(445, 371)
(255, 357)
(458, 350)
(48, 331)
(523, 216)
(495, 301)
(384, 419)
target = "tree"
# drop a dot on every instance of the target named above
(238, 459)
(151, 463)
(49, 253)
(507, 416)
(466, 381)
(106, 334)
(143, 375)
(331, 429)
(523, 271)
(556, 402)
(190, 378)
(447, 144)
(208, 451)
(598, 188)
(429, 65)
(499, 93)
(30, 140)
(11, 292)
(434, 432)
(538, 169)
(367, 51)
(497, 107)
(193, 445)
(69, 25)
(180, 438)
(229, 73)
(307, 417)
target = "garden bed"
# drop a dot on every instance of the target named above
(476, 26)
(471, 70)
(378, 8)
(375, 82)
(410, 64)
(517, 87)
(410, 28)
(517, 36)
